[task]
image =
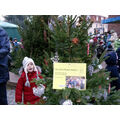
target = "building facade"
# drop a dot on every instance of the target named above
(97, 26)
(114, 26)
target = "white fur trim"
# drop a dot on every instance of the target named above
(21, 70)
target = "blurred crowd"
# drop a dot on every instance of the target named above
(110, 43)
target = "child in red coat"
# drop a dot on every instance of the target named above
(29, 90)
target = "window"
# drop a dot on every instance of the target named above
(96, 18)
(88, 16)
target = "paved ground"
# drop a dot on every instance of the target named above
(11, 88)
(11, 96)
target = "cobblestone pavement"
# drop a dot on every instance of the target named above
(11, 88)
(11, 96)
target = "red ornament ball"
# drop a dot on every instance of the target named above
(75, 40)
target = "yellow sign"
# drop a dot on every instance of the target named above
(71, 75)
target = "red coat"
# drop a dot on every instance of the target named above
(95, 39)
(28, 95)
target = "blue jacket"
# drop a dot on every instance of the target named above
(4, 51)
(111, 58)
(111, 62)
(16, 46)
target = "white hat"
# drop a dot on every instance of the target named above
(25, 63)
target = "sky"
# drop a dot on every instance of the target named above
(1, 18)
(59, 7)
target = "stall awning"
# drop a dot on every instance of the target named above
(11, 29)
(8, 25)
(111, 20)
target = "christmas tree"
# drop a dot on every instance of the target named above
(70, 42)
(67, 42)
(34, 40)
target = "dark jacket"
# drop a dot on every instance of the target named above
(118, 54)
(4, 51)
(111, 62)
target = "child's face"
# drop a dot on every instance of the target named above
(30, 67)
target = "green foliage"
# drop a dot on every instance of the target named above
(63, 34)
(41, 49)
(96, 92)
(34, 40)
(17, 58)
(39, 81)
(47, 65)
(61, 38)
(66, 93)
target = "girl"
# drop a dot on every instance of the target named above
(31, 93)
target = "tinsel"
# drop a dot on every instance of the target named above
(55, 58)
(90, 70)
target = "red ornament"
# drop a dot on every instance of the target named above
(88, 47)
(100, 87)
(109, 88)
(46, 63)
(75, 40)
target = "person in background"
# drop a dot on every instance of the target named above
(21, 44)
(108, 38)
(113, 37)
(16, 45)
(4, 72)
(105, 38)
(118, 54)
(11, 45)
(111, 61)
(109, 49)
(117, 43)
